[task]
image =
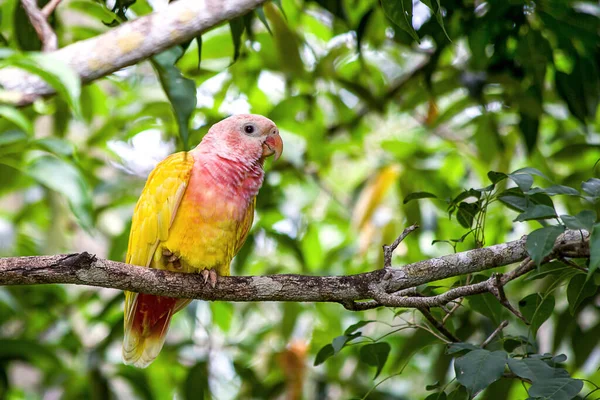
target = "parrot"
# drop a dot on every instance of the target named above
(193, 216)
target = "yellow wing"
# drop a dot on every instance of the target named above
(155, 211)
(244, 227)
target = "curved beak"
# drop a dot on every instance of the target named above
(273, 145)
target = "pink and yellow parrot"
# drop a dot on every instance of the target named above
(193, 216)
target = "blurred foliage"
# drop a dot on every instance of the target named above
(379, 103)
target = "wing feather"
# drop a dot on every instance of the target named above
(154, 213)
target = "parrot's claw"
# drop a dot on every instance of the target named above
(167, 253)
(210, 275)
(172, 258)
(205, 274)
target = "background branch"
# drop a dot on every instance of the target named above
(382, 287)
(39, 21)
(126, 44)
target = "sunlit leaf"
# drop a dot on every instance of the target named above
(16, 117)
(180, 90)
(401, 13)
(64, 178)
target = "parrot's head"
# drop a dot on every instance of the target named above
(244, 137)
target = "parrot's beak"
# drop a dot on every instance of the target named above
(273, 146)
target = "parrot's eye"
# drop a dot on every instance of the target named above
(249, 129)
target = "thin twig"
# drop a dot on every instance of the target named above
(498, 291)
(389, 250)
(487, 341)
(438, 325)
(452, 310)
(50, 7)
(40, 24)
(572, 264)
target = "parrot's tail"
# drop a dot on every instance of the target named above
(147, 319)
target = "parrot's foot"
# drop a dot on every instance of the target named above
(210, 275)
(171, 259)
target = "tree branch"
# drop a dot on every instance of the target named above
(127, 44)
(383, 287)
(39, 22)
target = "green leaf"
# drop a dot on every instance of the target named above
(594, 249)
(196, 385)
(433, 386)
(222, 314)
(24, 32)
(199, 45)
(531, 171)
(536, 310)
(556, 389)
(534, 369)
(541, 242)
(555, 190)
(479, 368)
(515, 199)
(260, 12)
(551, 268)
(28, 350)
(354, 327)
(375, 355)
(536, 211)
(436, 10)
(58, 146)
(523, 181)
(592, 187)
(486, 304)
(496, 177)
(16, 117)
(454, 348)
(400, 12)
(578, 290)
(339, 342)
(467, 194)
(236, 26)
(323, 354)
(584, 220)
(529, 127)
(460, 393)
(138, 380)
(569, 87)
(437, 396)
(466, 214)
(362, 28)
(56, 73)
(419, 195)
(180, 90)
(63, 177)
(8, 138)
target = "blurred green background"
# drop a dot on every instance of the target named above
(368, 114)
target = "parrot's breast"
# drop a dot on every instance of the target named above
(214, 215)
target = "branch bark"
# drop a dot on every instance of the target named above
(384, 287)
(127, 44)
(39, 22)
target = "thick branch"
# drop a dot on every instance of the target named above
(127, 44)
(382, 285)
